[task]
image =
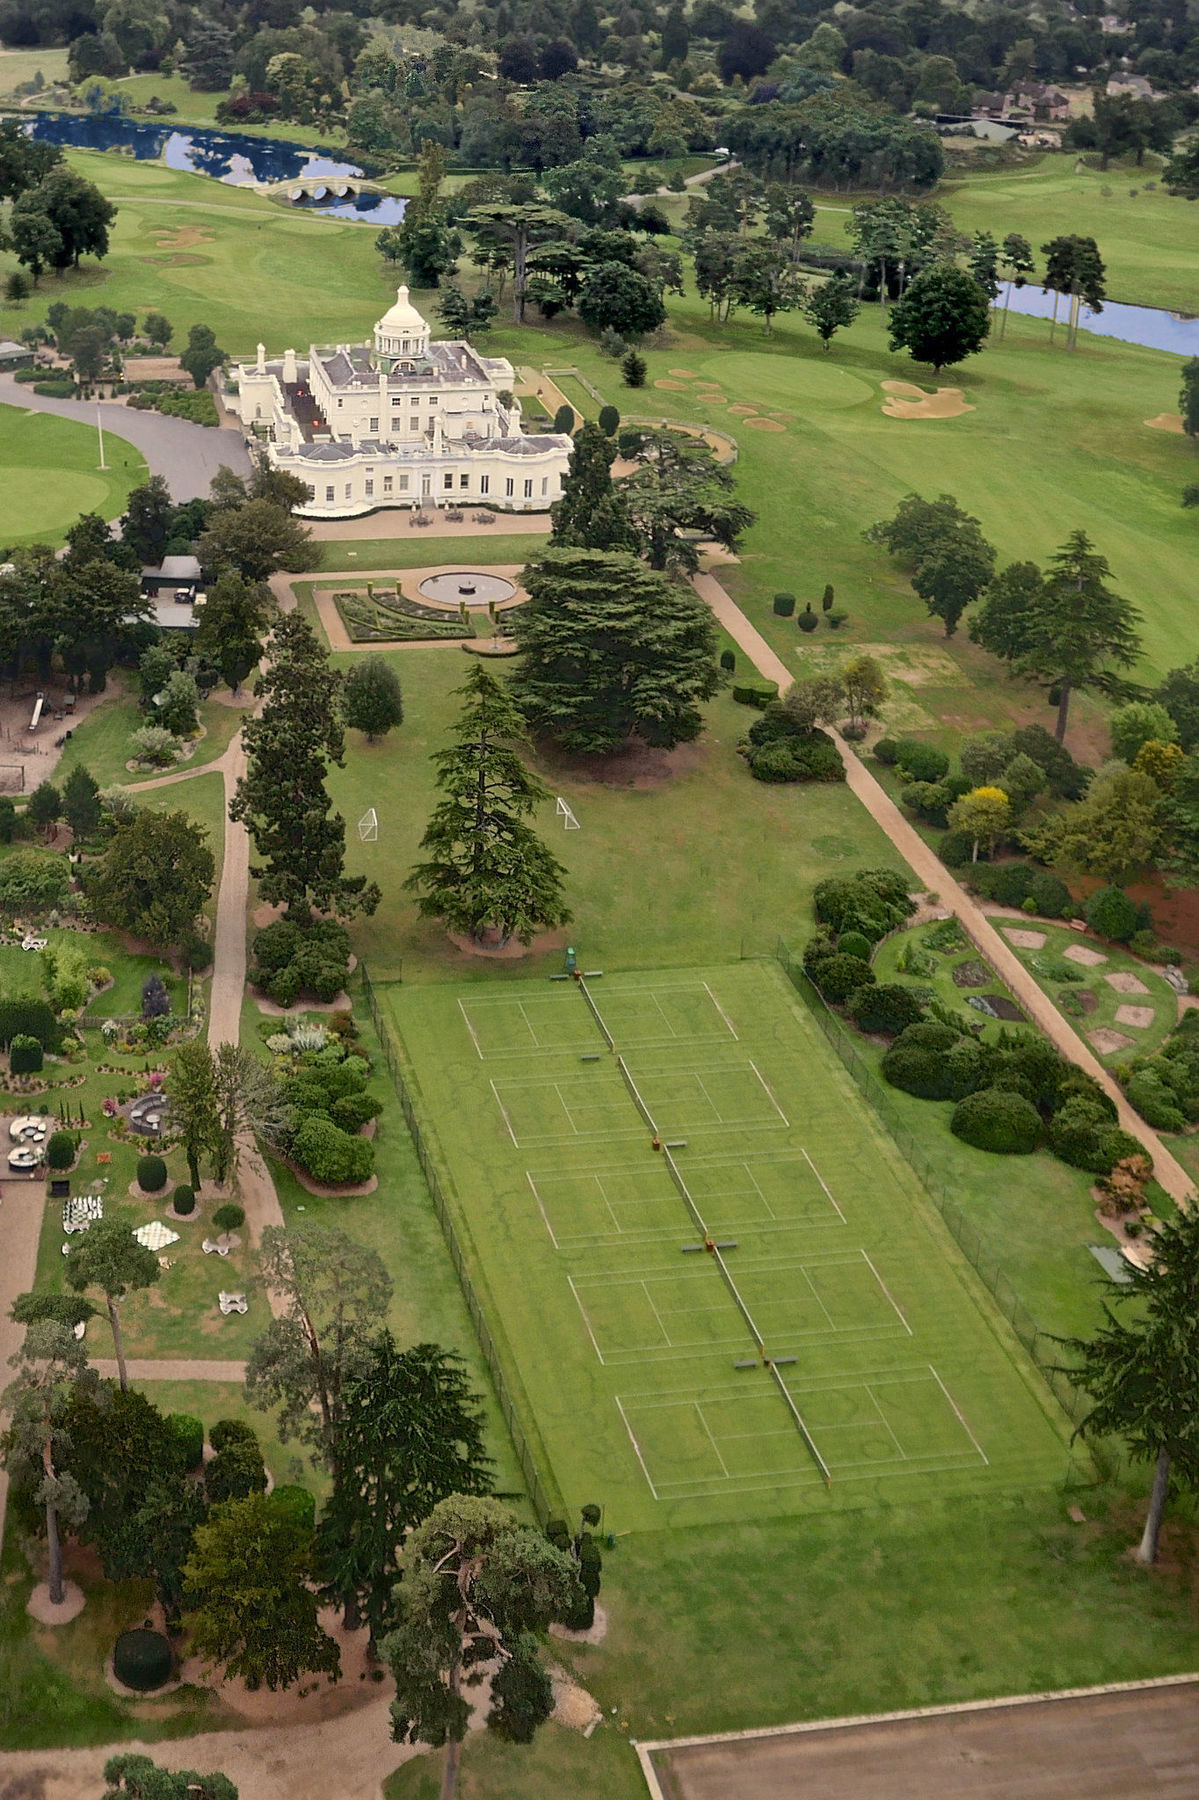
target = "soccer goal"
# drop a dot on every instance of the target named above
(368, 827)
(563, 809)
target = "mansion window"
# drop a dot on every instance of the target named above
(374, 425)
(485, 484)
(370, 490)
(545, 485)
(387, 484)
(464, 481)
(311, 492)
(528, 490)
(447, 481)
(403, 484)
(349, 490)
(509, 487)
(328, 496)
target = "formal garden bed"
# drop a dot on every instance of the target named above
(384, 615)
(1119, 1005)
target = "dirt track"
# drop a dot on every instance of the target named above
(1139, 1745)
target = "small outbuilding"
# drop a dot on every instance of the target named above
(14, 355)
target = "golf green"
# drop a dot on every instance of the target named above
(51, 474)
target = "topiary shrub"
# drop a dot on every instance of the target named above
(151, 1174)
(184, 1201)
(728, 661)
(757, 693)
(296, 1502)
(229, 1216)
(190, 1432)
(998, 1120)
(142, 1660)
(886, 751)
(807, 620)
(1112, 915)
(853, 943)
(920, 761)
(784, 605)
(841, 976)
(609, 420)
(888, 1007)
(60, 1150)
(25, 1055)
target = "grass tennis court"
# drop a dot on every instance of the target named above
(762, 1314)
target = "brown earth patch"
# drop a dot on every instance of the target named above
(1166, 422)
(1079, 953)
(1024, 940)
(636, 766)
(766, 424)
(1125, 982)
(511, 951)
(678, 386)
(182, 237)
(687, 374)
(1107, 1042)
(1139, 1018)
(743, 407)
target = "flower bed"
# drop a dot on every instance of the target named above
(388, 616)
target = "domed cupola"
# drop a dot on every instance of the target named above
(401, 333)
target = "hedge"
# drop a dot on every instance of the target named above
(60, 1151)
(330, 1155)
(25, 1054)
(26, 1017)
(998, 1120)
(922, 762)
(784, 605)
(853, 943)
(755, 693)
(888, 1006)
(839, 976)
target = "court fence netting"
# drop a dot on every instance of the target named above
(1039, 1345)
(539, 1493)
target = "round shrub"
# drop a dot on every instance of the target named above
(841, 976)
(232, 1431)
(60, 1150)
(229, 1216)
(776, 762)
(888, 1006)
(853, 943)
(915, 1070)
(296, 1502)
(151, 1174)
(283, 987)
(784, 605)
(728, 661)
(998, 1120)
(919, 761)
(1078, 1133)
(609, 424)
(333, 1156)
(25, 1055)
(886, 751)
(142, 1660)
(818, 758)
(184, 1201)
(807, 621)
(1112, 915)
(190, 1432)
(235, 1474)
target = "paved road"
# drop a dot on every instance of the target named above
(187, 456)
(934, 876)
(1137, 1745)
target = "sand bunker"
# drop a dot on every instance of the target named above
(1140, 1018)
(766, 424)
(1024, 940)
(1126, 983)
(678, 386)
(909, 402)
(742, 406)
(1108, 1042)
(182, 237)
(712, 387)
(687, 374)
(1166, 422)
(1078, 953)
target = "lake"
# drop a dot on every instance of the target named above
(1147, 325)
(228, 156)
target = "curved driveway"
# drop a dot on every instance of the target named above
(187, 456)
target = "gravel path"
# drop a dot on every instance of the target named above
(187, 456)
(394, 524)
(144, 1368)
(932, 874)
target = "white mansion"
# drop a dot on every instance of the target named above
(401, 423)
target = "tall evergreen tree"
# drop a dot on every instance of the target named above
(146, 523)
(487, 869)
(233, 625)
(592, 515)
(411, 1434)
(1079, 630)
(677, 490)
(49, 1365)
(1143, 1372)
(610, 649)
(477, 1586)
(1004, 617)
(282, 799)
(193, 1107)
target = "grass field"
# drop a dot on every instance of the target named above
(50, 473)
(832, 1352)
(17, 66)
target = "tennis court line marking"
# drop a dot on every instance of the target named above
(636, 1448)
(541, 1209)
(824, 1184)
(587, 1324)
(769, 1092)
(715, 1447)
(959, 1415)
(886, 1290)
(473, 1036)
(721, 1011)
(504, 1112)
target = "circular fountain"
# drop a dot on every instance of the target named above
(467, 586)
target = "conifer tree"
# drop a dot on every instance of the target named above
(592, 515)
